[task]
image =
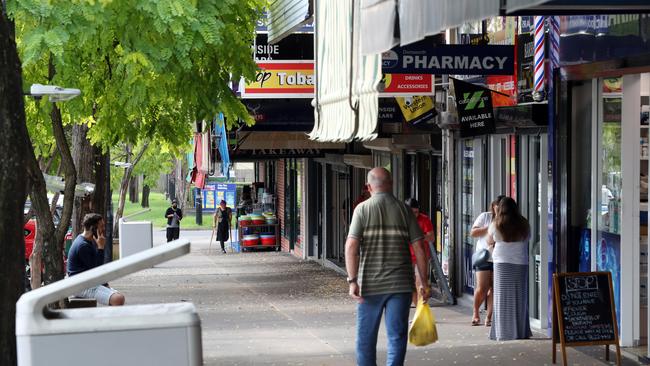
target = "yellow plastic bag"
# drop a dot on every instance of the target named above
(423, 328)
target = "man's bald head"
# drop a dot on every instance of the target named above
(380, 180)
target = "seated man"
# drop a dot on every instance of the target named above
(87, 252)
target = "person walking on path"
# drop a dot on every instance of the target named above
(174, 216)
(484, 273)
(380, 274)
(425, 224)
(221, 222)
(87, 252)
(509, 231)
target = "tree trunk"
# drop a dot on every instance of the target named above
(83, 156)
(53, 253)
(180, 183)
(145, 195)
(133, 190)
(102, 181)
(14, 141)
(124, 186)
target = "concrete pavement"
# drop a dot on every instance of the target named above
(269, 308)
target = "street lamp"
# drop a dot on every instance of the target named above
(120, 164)
(55, 93)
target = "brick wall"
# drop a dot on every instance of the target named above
(280, 176)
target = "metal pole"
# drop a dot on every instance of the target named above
(199, 207)
(108, 249)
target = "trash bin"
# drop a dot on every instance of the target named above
(153, 334)
(135, 236)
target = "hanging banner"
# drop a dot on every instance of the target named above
(474, 106)
(416, 109)
(506, 88)
(278, 79)
(406, 84)
(425, 57)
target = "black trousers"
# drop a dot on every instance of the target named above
(173, 233)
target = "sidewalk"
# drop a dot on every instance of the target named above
(269, 308)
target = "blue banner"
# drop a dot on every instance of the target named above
(425, 57)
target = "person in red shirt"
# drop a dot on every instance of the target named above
(427, 228)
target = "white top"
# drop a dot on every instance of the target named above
(515, 252)
(483, 220)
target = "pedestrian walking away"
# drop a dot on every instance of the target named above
(87, 252)
(380, 274)
(425, 224)
(221, 222)
(484, 271)
(174, 216)
(509, 231)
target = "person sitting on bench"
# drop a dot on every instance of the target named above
(87, 252)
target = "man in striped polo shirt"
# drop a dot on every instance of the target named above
(380, 274)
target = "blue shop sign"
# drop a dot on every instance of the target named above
(425, 57)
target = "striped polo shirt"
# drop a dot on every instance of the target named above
(384, 227)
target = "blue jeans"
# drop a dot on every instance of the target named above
(369, 314)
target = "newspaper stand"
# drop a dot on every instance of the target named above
(155, 334)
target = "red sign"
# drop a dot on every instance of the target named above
(410, 84)
(506, 86)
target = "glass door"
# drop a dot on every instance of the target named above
(530, 182)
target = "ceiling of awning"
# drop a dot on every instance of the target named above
(419, 18)
(282, 140)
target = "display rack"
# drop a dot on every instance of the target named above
(258, 229)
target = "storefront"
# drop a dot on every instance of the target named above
(502, 164)
(600, 160)
(606, 165)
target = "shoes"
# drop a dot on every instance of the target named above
(488, 322)
(224, 251)
(476, 321)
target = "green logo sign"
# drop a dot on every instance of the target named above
(474, 100)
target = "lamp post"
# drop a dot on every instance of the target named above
(108, 254)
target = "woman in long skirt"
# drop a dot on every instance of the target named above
(222, 219)
(510, 233)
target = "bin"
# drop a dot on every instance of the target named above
(135, 237)
(153, 334)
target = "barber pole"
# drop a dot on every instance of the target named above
(540, 76)
(554, 23)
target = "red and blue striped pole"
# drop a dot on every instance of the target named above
(540, 75)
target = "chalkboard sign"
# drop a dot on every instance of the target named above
(584, 311)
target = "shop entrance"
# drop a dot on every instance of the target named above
(512, 165)
(339, 214)
(606, 165)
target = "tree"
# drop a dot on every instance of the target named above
(14, 142)
(147, 70)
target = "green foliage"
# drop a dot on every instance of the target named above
(147, 69)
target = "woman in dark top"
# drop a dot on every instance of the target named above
(222, 219)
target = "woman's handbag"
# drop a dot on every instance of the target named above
(480, 258)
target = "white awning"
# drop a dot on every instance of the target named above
(421, 18)
(285, 16)
(345, 80)
(514, 5)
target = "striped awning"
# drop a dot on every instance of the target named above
(346, 105)
(421, 18)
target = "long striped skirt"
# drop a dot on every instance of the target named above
(510, 319)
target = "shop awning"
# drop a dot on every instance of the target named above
(345, 106)
(282, 140)
(421, 18)
(358, 161)
(284, 16)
